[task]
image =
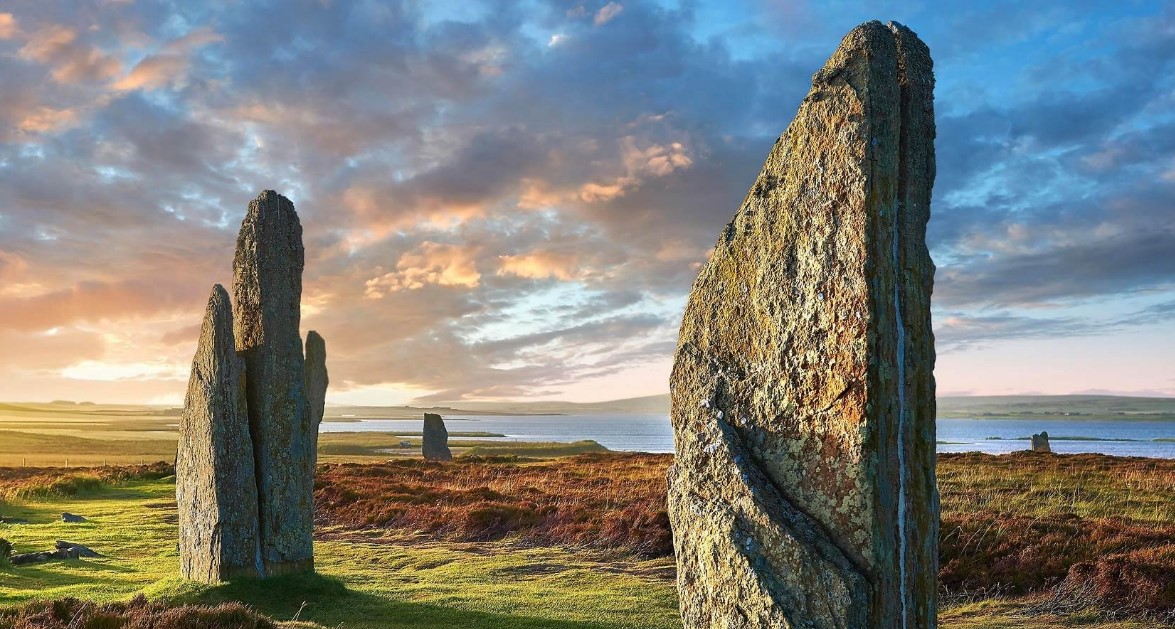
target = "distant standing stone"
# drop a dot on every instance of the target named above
(316, 383)
(216, 488)
(1040, 443)
(267, 289)
(435, 445)
(803, 491)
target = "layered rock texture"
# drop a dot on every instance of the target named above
(267, 288)
(435, 444)
(245, 469)
(803, 493)
(216, 490)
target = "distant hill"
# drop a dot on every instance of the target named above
(649, 404)
(1062, 407)
(1071, 407)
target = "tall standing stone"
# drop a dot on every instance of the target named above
(267, 288)
(316, 383)
(215, 488)
(434, 444)
(803, 492)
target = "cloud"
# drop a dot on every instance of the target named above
(46, 120)
(430, 263)
(517, 203)
(541, 265)
(607, 13)
(153, 72)
(71, 59)
(8, 27)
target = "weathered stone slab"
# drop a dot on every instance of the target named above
(216, 490)
(267, 289)
(1040, 443)
(435, 444)
(803, 493)
(316, 383)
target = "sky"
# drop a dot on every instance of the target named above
(510, 200)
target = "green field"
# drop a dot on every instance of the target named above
(65, 434)
(396, 578)
(361, 583)
(997, 512)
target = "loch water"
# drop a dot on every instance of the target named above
(652, 433)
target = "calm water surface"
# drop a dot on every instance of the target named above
(652, 433)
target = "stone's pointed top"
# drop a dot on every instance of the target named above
(270, 195)
(270, 201)
(315, 343)
(219, 300)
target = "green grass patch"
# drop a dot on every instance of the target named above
(361, 583)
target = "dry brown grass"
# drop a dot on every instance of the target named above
(612, 501)
(138, 613)
(33, 482)
(1089, 529)
(1012, 524)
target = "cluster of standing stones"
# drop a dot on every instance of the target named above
(803, 491)
(249, 429)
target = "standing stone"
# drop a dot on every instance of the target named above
(267, 288)
(435, 444)
(803, 492)
(216, 491)
(316, 383)
(1040, 443)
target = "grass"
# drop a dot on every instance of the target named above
(362, 583)
(604, 501)
(73, 435)
(400, 543)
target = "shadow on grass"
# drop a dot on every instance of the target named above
(328, 601)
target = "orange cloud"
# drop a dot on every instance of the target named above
(154, 72)
(89, 301)
(46, 351)
(656, 159)
(8, 27)
(594, 192)
(430, 263)
(607, 12)
(541, 265)
(169, 67)
(72, 61)
(46, 120)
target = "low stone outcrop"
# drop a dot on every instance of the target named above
(1040, 443)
